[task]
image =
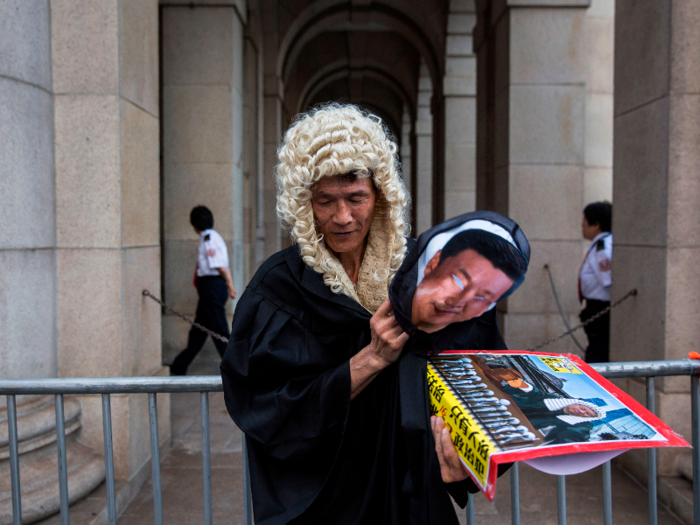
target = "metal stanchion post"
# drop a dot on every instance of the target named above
(695, 409)
(607, 494)
(515, 494)
(561, 499)
(62, 466)
(155, 459)
(247, 495)
(470, 509)
(14, 460)
(651, 457)
(206, 459)
(109, 459)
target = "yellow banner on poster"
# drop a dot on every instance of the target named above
(560, 365)
(471, 442)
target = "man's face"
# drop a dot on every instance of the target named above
(344, 212)
(580, 411)
(589, 231)
(518, 383)
(457, 289)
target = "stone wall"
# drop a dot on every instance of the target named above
(532, 72)
(105, 83)
(27, 193)
(80, 189)
(459, 88)
(423, 196)
(657, 190)
(598, 149)
(203, 158)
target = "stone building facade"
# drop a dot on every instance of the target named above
(118, 116)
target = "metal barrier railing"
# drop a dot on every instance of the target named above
(105, 387)
(205, 384)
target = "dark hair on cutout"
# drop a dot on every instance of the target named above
(499, 252)
(599, 213)
(201, 218)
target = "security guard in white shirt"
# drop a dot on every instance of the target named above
(594, 281)
(214, 287)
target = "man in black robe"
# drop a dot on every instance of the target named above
(320, 373)
(560, 419)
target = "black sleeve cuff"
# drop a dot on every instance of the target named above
(460, 490)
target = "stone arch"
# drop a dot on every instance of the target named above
(342, 69)
(339, 15)
(372, 94)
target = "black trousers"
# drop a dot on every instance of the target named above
(211, 314)
(598, 332)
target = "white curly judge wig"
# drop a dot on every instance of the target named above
(337, 139)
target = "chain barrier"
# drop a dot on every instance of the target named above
(146, 293)
(600, 314)
(561, 310)
(548, 342)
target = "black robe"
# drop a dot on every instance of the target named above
(315, 455)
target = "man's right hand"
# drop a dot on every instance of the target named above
(388, 338)
(385, 347)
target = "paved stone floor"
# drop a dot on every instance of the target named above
(181, 469)
(584, 500)
(182, 481)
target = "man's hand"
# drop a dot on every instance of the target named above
(388, 340)
(388, 337)
(226, 274)
(451, 468)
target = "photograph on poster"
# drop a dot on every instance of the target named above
(562, 403)
(537, 407)
(559, 404)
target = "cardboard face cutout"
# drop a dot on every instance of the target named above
(458, 271)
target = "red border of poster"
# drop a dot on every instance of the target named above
(672, 438)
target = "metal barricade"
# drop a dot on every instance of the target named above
(632, 369)
(206, 384)
(106, 387)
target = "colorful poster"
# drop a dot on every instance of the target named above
(506, 406)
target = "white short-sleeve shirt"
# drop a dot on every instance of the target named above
(212, 253)
(596, 272)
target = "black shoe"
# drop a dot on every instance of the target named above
(176, 370)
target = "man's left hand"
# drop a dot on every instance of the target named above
(451, 468)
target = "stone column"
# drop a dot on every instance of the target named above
(405, 149)
(598, 154)
(272, 126)
(273, 94)
(532, 73)
(459, 87)
(27, 193)
(656, 221)
(105, 80)
(423, 196)
(252, 155)
(203, 160)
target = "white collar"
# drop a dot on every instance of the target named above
(601, 235)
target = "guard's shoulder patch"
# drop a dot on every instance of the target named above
(207, 236)
(600, 245)
(604, 265)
